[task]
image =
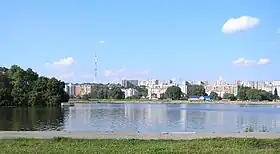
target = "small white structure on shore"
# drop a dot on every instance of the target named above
(68, 104)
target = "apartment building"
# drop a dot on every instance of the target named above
(129, 92)
(221, 89)
(70, 89)
(129, 83)
(77, 89)
(148, 83)
(85, 89)
(156, 90)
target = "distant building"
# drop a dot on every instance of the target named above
(148, 83)
(276, 85)
(77, 91)
(184, 87)
(70, 89)
(129, 83)
(85, 89)
(129, 92)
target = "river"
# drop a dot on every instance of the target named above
(143, 118)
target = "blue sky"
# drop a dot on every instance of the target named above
(192, 40)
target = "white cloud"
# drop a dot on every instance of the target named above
(61, 69)
(239, 24)
(243, 61)
(263, 61)
(247, 62)
(101, 42)
(62, 62)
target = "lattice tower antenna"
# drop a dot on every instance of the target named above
(95, 68)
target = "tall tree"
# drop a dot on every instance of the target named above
(20, 87)
(173, 93)
(214, 96)
(276, 94)
(196, 90)
(116, 93)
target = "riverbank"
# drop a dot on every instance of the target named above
(65, 145)
(134, 135)
(144, 101)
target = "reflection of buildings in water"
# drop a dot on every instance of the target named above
(145, 116)
(78, 117)
(183, 116)
(156, 115)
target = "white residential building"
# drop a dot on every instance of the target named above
(276, 84)
(70, 89)
(148, 83)
(129, 92)
(85, 89)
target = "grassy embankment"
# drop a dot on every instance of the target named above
(216, 145)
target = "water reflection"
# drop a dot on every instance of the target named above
(143, 118)
(166, 117)
(27, 119)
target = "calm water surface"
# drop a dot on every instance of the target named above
(143, 118)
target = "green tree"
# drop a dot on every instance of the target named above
(196, 90)
(20, 87)
(232, 97)
(242, 92)
(253, 94)
(162, 96)
(247, 93)
(275, 94)
(229, 96)
(116, 93)
(142, 91)
(214, 96)
(226, 95)
(173, 92)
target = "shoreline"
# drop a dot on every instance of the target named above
(132, 135)
(174, 102)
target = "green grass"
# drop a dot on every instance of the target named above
(65, 145)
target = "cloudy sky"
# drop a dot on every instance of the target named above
(164, 39)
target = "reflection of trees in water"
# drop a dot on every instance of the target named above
(31, 119)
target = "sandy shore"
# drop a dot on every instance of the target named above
(125, 135)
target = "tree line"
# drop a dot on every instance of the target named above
(19, 87)
(106, 91)
(246, 93)
(175, 92)
(243, 94)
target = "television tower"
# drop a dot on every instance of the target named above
(95, 68)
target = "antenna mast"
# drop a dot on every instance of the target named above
(95, 67)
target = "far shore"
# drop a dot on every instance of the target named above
(145, 101)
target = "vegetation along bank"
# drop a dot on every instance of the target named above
(113, 93)
(20, 87)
